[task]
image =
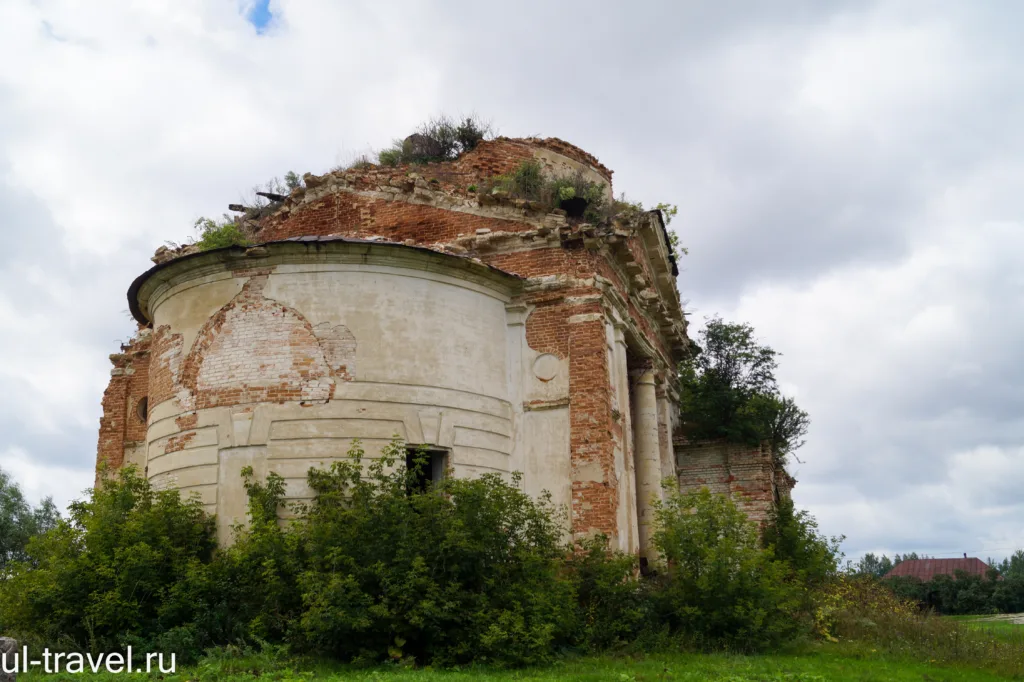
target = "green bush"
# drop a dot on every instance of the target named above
(464, 571)
(525, 182)
(793, 537)
(393, 155)
(377, 567)
(218, 234)
(249, 593)
(614, 605)
(574, 186)
(717, 586)
(960, 594)
(106, 576)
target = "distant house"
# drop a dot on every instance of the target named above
(926, 569)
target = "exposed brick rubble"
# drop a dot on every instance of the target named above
(125, 402)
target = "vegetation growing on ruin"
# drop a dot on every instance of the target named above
(629, 210)
(728, 390)
(528, 181)
(217, 234)
(441, 138)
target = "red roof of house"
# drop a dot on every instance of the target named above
(926, 569)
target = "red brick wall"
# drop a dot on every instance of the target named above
(594, 503)
(360, 216)
(121, 425)
(748, 474)
(255, 350)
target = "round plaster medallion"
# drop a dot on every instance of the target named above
(545, 367)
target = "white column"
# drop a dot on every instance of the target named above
(648, 457)
(627, 520)
(668, 455)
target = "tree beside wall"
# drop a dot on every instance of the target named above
(728, 390)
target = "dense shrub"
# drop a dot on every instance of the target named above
(960, 594)
(849, 602)
(466, 570)
(793, 537)
(718, 586)
(249, 592)
(378, 567)
(1008, 593)
(862, 612)
(614, 605)
(106, 576)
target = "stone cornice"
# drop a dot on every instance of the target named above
(313, 250)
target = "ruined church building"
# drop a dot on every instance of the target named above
(500, 334)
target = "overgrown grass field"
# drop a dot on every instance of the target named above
(815, 664)
(1001, 627)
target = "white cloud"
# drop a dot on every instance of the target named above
(39, 481)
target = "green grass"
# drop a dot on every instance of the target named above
(993, 626)
(818, 663)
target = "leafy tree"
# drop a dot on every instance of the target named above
(1012, 566)
(1008, 596)
(728, 390)
(911, 556)
(101, 578)
(19, 521)
(873, 566)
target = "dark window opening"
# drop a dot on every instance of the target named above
(427, 467)
(142, 410)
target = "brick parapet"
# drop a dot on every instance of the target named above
(749, 474)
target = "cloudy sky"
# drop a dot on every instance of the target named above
(844, 172)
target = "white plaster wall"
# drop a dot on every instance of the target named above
(539, 397)
(432, 367)
(413, 328)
